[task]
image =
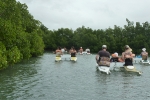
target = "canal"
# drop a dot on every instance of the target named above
(42, 78)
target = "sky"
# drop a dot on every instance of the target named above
(94, 14)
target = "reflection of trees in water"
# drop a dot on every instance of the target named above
(18, 78)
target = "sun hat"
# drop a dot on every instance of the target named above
(104, 46)
(144, 49)
(127, 46)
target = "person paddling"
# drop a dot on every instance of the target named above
(144, 54)
(114, 57)
(73, 52)
(81, 50)
(127, 56)
(103, 57)
(58, 52)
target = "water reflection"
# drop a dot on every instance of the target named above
(17, 78)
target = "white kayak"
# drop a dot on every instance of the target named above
(144, 61)
(57, 59)
(73, 58)
(85, 53)
(104, 69)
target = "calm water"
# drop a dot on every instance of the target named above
(44, 79)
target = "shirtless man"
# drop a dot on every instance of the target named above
(81, 50)
(58, 52)
(144, 54)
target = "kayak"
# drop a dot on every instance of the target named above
(84, 52)
(73, 58)
(57, 59)
(88, 53)
(144, 61)
(131, 69)
(104, 69)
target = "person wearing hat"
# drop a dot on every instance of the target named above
(114, 57)
(127, 56)
(144, 54)
(87, 50)
(103, 57)
(81, 50)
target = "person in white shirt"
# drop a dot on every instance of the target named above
(87, 50)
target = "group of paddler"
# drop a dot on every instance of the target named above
(60, 51)
(103, 57)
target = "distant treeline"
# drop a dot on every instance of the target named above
(22, 36)
(137, 37)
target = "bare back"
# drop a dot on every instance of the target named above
(144, 55)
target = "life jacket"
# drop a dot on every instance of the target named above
(104, 61)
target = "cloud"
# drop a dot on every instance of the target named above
(95, 14)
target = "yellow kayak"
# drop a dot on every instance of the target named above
(73, 59)
(57, 58)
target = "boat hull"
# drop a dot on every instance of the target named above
(104, 69)
(73, 58)
(57, 59)
(85, 53)
(144, 61)
(131, 69)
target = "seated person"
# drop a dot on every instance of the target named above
(144, 54)
(103, 57)
(58, 52)
(127, 56)
(114, 57)
(116, 54)
(87, 50)
(72, 52)
(80, 50)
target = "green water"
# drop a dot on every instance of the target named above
(44, 79)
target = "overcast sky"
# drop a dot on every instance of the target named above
(95, 14)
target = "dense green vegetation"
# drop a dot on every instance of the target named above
(22, 36)
(136, 37)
